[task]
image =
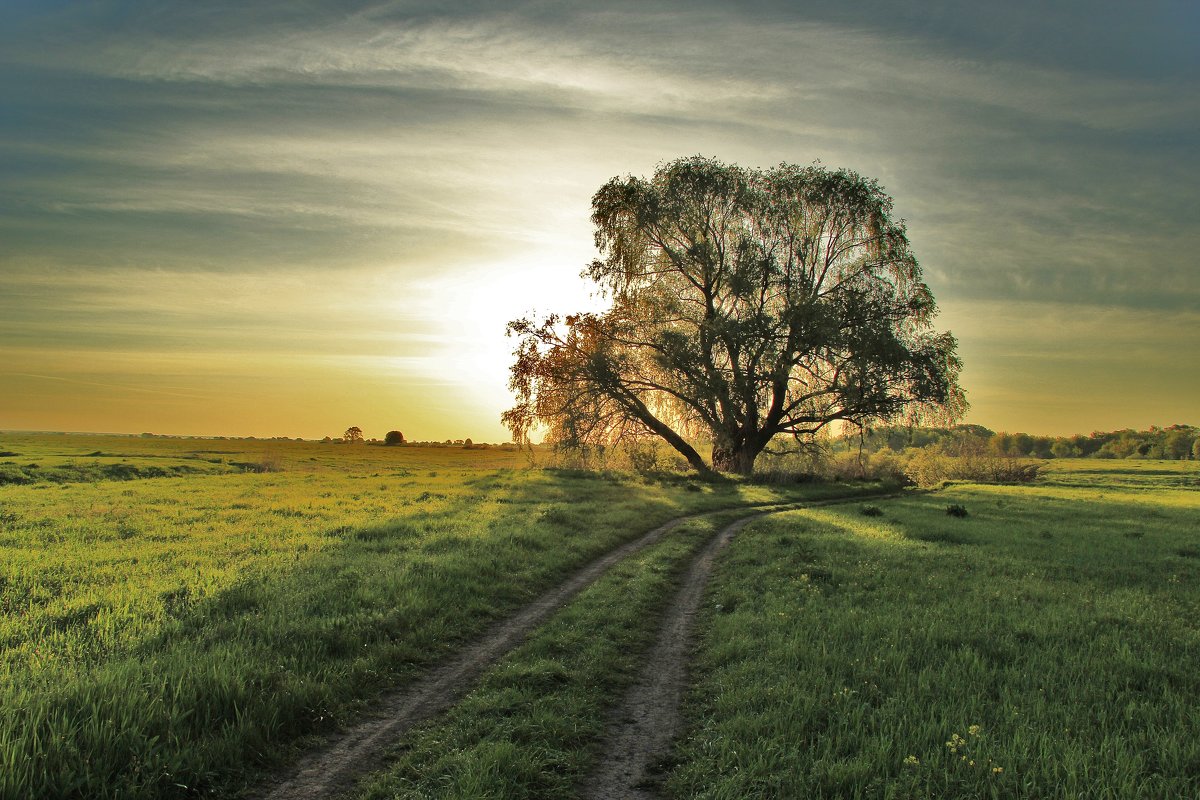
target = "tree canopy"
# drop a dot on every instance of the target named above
(746, 305)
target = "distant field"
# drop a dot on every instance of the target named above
(68, 458)
(160, 636)
(1100, 473)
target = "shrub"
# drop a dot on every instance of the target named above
(270, 462)
(956, 510)
(643, 456)
(928, 467)
(11, 473)
(935, 464)
(816, 462)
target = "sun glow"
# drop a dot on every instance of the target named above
(468, 309)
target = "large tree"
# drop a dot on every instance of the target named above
(746, 304)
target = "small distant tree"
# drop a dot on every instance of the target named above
(468, 444)
(1123, 444)
(352, 435)
(1041, 446)
(1064, 449)
(392, 438)
(1196, 449)
(1177, 444)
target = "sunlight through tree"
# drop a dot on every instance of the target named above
(746, 304)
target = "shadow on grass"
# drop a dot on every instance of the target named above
(234, 681)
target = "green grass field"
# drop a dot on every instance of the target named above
(1044, 646)
(169, 635)
(174, 636)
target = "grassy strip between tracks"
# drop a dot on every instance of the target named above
(527, 730)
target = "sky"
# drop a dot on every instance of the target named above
(287, 218)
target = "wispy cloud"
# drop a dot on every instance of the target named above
(232, 178)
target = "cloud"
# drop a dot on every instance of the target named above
(232, 178)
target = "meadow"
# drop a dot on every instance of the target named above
(1041, 646)
(174, 636)
(178, 635)
(1044, 645)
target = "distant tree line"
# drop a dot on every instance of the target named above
(1177, 442)
(466, 444)
(354, 435)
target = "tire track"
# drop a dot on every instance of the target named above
(358, 750)
(643, 726)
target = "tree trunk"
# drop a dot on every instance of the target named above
(695, 460)
(638, 408)
(737, 459)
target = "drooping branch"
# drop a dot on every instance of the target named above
(746, 304)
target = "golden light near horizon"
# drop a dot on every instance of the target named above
(244, 223)
(1066, 370)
